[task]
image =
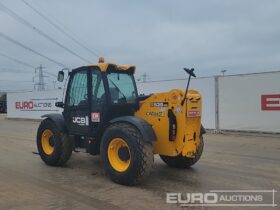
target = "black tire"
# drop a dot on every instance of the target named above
(141, 154)
(181, 161)
(62, 144)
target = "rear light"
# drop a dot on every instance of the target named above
(194, 106)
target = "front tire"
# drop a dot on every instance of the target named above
(126, 157)
(181, 161)
(54, 146)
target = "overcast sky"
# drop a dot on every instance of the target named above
(159, 37)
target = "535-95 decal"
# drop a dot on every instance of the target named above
(159, 104)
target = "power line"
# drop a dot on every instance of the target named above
(73, 34)
(30, 49)
(15, 91)
(16, 60)
(10, 70)
(51, 74)
(61, 30)
(15, 81)
(29, 25)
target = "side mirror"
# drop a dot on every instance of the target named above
(59, 104)
(60, 76)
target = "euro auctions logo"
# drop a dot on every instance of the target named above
(270, 102)
(225, 198)
(24, 105)
(36, 105)
(29, 105)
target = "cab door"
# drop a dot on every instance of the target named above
(99, 105)
(77, 109)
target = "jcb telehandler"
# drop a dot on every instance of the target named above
(104, 114)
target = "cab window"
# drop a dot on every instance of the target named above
(98, 90)
(122, 88)
(78, 93)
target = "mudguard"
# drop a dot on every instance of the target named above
(145, 128)
(58, 119)
(202, 130)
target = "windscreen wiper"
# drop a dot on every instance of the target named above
(118, 89)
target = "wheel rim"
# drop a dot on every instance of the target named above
(118, 162)
(48, 148)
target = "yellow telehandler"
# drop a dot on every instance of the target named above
(103, 113)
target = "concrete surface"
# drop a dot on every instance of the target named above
(229, 162)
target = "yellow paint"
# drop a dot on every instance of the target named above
(188, 119)
(156, 114)
(113, 156)
(45, 140)
(187, 127)
(104, 66)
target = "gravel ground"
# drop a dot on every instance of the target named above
(229, 162)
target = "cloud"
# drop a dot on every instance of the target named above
(159, 37)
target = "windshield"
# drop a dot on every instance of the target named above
(122, 89)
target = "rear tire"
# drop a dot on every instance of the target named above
(181, 161)
(135, 164)
(54, 146)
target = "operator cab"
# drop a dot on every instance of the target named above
(96, 94)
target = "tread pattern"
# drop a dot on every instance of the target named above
(66, 150)
(143, 155)
(63, 145)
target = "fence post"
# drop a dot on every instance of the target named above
(217, 118)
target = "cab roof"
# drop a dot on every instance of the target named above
(109, 67)
(106, 66)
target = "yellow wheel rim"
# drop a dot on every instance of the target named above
(118, 163)
(45, 140)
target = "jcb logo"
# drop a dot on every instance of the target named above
(81, 120)
(271, 102)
